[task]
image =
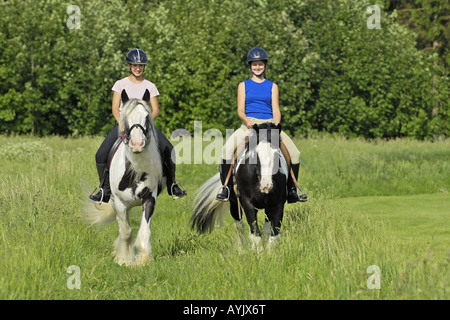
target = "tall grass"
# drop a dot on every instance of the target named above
(324, 252)
(351, 168)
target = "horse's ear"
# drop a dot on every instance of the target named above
(146, 96)
(124, 96)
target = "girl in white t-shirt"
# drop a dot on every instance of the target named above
(135, 86)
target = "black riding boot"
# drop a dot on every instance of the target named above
(224, 194)
(173, 189)
(293, 195)
(105, 191)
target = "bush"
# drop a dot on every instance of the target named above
(334, 73)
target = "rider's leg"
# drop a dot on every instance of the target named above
(224, 169)
(294, 153)
(105, 189)
(227, 159)
(101, 157)
(168, 156)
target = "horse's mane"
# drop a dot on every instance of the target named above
(130, 106)
(256, 133)
(250, 143)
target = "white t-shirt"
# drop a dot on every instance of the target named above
(134, 90)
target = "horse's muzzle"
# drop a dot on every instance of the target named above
(137, 144)
(265, 184)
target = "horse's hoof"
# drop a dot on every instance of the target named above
(143, 260)
(123, 262)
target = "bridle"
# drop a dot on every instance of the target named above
(125, 135)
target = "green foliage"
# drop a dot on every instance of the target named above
(334, 73)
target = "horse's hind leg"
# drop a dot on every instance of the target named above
(124, 252)
(142, 244)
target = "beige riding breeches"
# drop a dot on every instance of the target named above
(239, 136)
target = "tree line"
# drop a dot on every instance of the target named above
(59, 61)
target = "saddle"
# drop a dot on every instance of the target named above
(113, 151)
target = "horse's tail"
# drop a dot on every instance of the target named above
(102, 214)
(207, 210)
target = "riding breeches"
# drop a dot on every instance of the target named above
(239, 136)
(102, 154)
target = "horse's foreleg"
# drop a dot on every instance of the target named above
(124, 252)
(267, 230)
(272, 227)
(142, 244)
(255, 233)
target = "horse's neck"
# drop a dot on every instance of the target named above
(149, 159)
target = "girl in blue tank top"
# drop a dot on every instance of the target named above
(258, 103)
(258, 99)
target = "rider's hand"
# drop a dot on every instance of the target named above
(249, 124)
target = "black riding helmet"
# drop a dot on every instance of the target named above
(137, 56)
(257, 54)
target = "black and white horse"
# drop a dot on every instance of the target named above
(136, 178)
(260, 182)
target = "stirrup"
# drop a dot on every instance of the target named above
(101, 199)
(176, 183)
(227, 198)
(302, 197)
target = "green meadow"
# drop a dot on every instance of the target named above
(378, 203)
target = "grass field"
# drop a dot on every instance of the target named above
(383, 203)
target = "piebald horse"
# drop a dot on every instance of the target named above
(260, 182)
(136, 178)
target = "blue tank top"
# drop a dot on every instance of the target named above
(258, 99)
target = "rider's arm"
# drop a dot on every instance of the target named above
(241, 105)
(275, 105)
(155, 107)
(115, 105)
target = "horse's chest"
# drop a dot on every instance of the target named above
(138, 185)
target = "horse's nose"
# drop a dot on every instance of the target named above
(137, 145)
(266, 185)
